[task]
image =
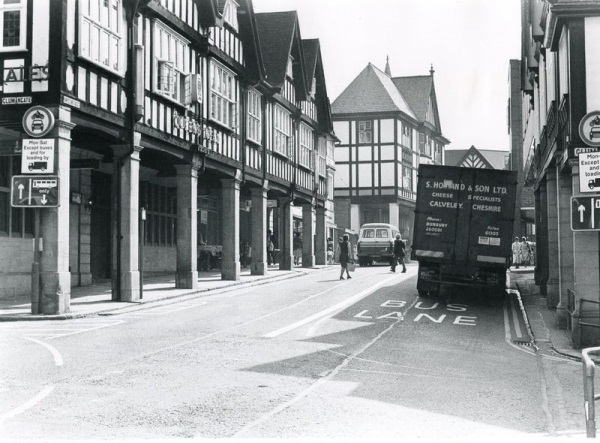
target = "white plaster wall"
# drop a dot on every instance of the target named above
(592, 63)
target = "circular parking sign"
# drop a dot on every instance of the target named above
(589, 129)
(38, 121)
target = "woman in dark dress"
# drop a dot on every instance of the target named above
(345, 256)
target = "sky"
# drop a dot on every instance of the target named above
(468, 42)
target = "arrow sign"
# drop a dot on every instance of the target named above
(40, 191)
(585, 213)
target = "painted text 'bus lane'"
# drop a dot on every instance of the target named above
(462, 320)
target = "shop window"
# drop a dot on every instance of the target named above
(14, 222)
(13, 24)
(161, 214)
(101, 33)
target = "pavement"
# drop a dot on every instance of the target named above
(542, 321)
(96, 300)
(87, 301)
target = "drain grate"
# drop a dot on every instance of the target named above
(523, 343)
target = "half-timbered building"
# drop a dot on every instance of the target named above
(387, 126)
(170, 143)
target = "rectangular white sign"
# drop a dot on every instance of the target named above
(38, 156)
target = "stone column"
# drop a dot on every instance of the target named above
(258, 264)
(230, 194)
(308, 238)
(187, 227)
(55, 278)
(552, 286)
(286, 233)
(566, 183)
(321, 237)
(126, 286)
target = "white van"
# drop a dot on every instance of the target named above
(376, 243)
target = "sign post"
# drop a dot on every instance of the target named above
(35, 268)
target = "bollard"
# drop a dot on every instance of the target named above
(589, 396)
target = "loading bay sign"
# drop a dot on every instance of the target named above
(585, 213)
(37, 156)
(34, 191)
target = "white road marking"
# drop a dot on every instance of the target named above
(29, 404)
(332, 309)
(58, 360)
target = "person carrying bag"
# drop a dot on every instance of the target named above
(345, 248)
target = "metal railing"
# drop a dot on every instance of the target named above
(579, 313)
(589, 396)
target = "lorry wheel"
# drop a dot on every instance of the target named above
(423, 293)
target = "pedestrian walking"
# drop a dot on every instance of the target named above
(525, 251)
(345, 248)
(399, 253)
(329, 251)
(516, 253)
(297, 245)
(270, 248)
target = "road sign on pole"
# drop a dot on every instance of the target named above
(34, 191)
(585, 213)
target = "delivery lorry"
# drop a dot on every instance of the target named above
(463, 228)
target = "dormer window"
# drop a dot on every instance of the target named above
(290, 68)
(230, 14)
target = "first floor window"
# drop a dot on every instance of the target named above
(12, 24)
(172, 65)
(282, 123)
(223, 96)
(100, 38)
(305, 155)
(254, 117)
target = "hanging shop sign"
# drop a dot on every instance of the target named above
(589, 129)
(38, 121)
(37, 156)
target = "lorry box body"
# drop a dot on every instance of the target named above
(463, 226)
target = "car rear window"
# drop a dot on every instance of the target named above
(382, 233)
(369, 233)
